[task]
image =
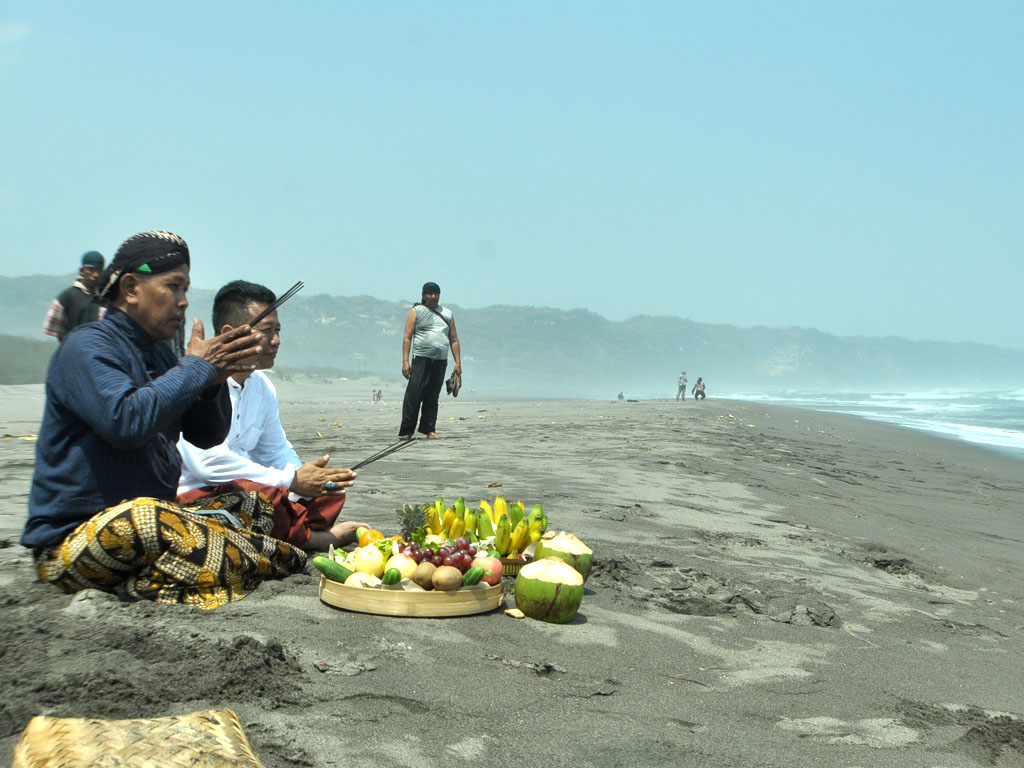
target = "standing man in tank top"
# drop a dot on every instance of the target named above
(429, 332)
(78, 304)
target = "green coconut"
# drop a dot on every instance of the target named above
(549, 590)
(566, 547)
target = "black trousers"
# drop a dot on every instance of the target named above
(424, 386)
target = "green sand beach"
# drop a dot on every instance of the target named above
(772, 587)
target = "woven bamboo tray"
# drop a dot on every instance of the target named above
(211, 739)
(510, 566)
(398, 602)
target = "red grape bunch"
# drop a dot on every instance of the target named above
(460, 555)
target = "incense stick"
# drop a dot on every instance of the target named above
(393, 448)
(281, 300)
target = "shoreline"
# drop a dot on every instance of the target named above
(772, 586)
(317, 388)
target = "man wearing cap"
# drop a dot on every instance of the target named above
(101, 510)
(78, 303)
(429, 332)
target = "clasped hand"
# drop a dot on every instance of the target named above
(229, 353)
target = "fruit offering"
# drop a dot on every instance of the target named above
(471, 542)
(506, 529)
(459, 554)
(434, 564)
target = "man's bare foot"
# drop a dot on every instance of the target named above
(320, 541)
(345, 532)
(433, 436)
(405, 437)
(340, 535)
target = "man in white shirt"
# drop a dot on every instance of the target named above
(307, 497)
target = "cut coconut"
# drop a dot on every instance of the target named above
(566, 547)
(549, 590)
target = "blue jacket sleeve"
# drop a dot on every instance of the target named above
(207, 422)
(112, 393)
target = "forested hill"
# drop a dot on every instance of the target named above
(526, 351)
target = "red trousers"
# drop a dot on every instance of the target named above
(293, 520)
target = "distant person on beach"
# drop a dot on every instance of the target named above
(77, 304)
(101, 509)
(256, 456)
(698, 389)
(429, 332)
(681, 390)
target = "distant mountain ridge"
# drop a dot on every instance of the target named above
(536, 352)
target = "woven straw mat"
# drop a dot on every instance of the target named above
(207, 739)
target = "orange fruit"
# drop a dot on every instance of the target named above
(370, 536)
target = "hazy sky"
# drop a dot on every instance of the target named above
(850, 166)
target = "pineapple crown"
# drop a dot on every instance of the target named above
(411, 518)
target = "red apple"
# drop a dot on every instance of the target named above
(492, 569)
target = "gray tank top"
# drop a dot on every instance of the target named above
(430, 337)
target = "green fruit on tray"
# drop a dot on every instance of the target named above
(473, 576)
(332, 570)
(391, 577)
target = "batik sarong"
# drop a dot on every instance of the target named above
(206, 554)
(293, 520)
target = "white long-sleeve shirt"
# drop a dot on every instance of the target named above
(256, 447)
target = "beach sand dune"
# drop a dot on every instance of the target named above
(772, 587)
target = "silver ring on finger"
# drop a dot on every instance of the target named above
(329, 485)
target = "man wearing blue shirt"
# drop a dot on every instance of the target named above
(101, 508)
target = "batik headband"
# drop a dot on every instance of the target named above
(147, 253)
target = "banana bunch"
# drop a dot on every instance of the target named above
(460, 526)
(485, 521)
(433, 519)
(514, 530)
(453, 521)
(447, 521)
(503, 537)
(509, 525)
(536, 523)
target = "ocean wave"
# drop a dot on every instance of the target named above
(993, 419)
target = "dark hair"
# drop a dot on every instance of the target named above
(231, 305)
